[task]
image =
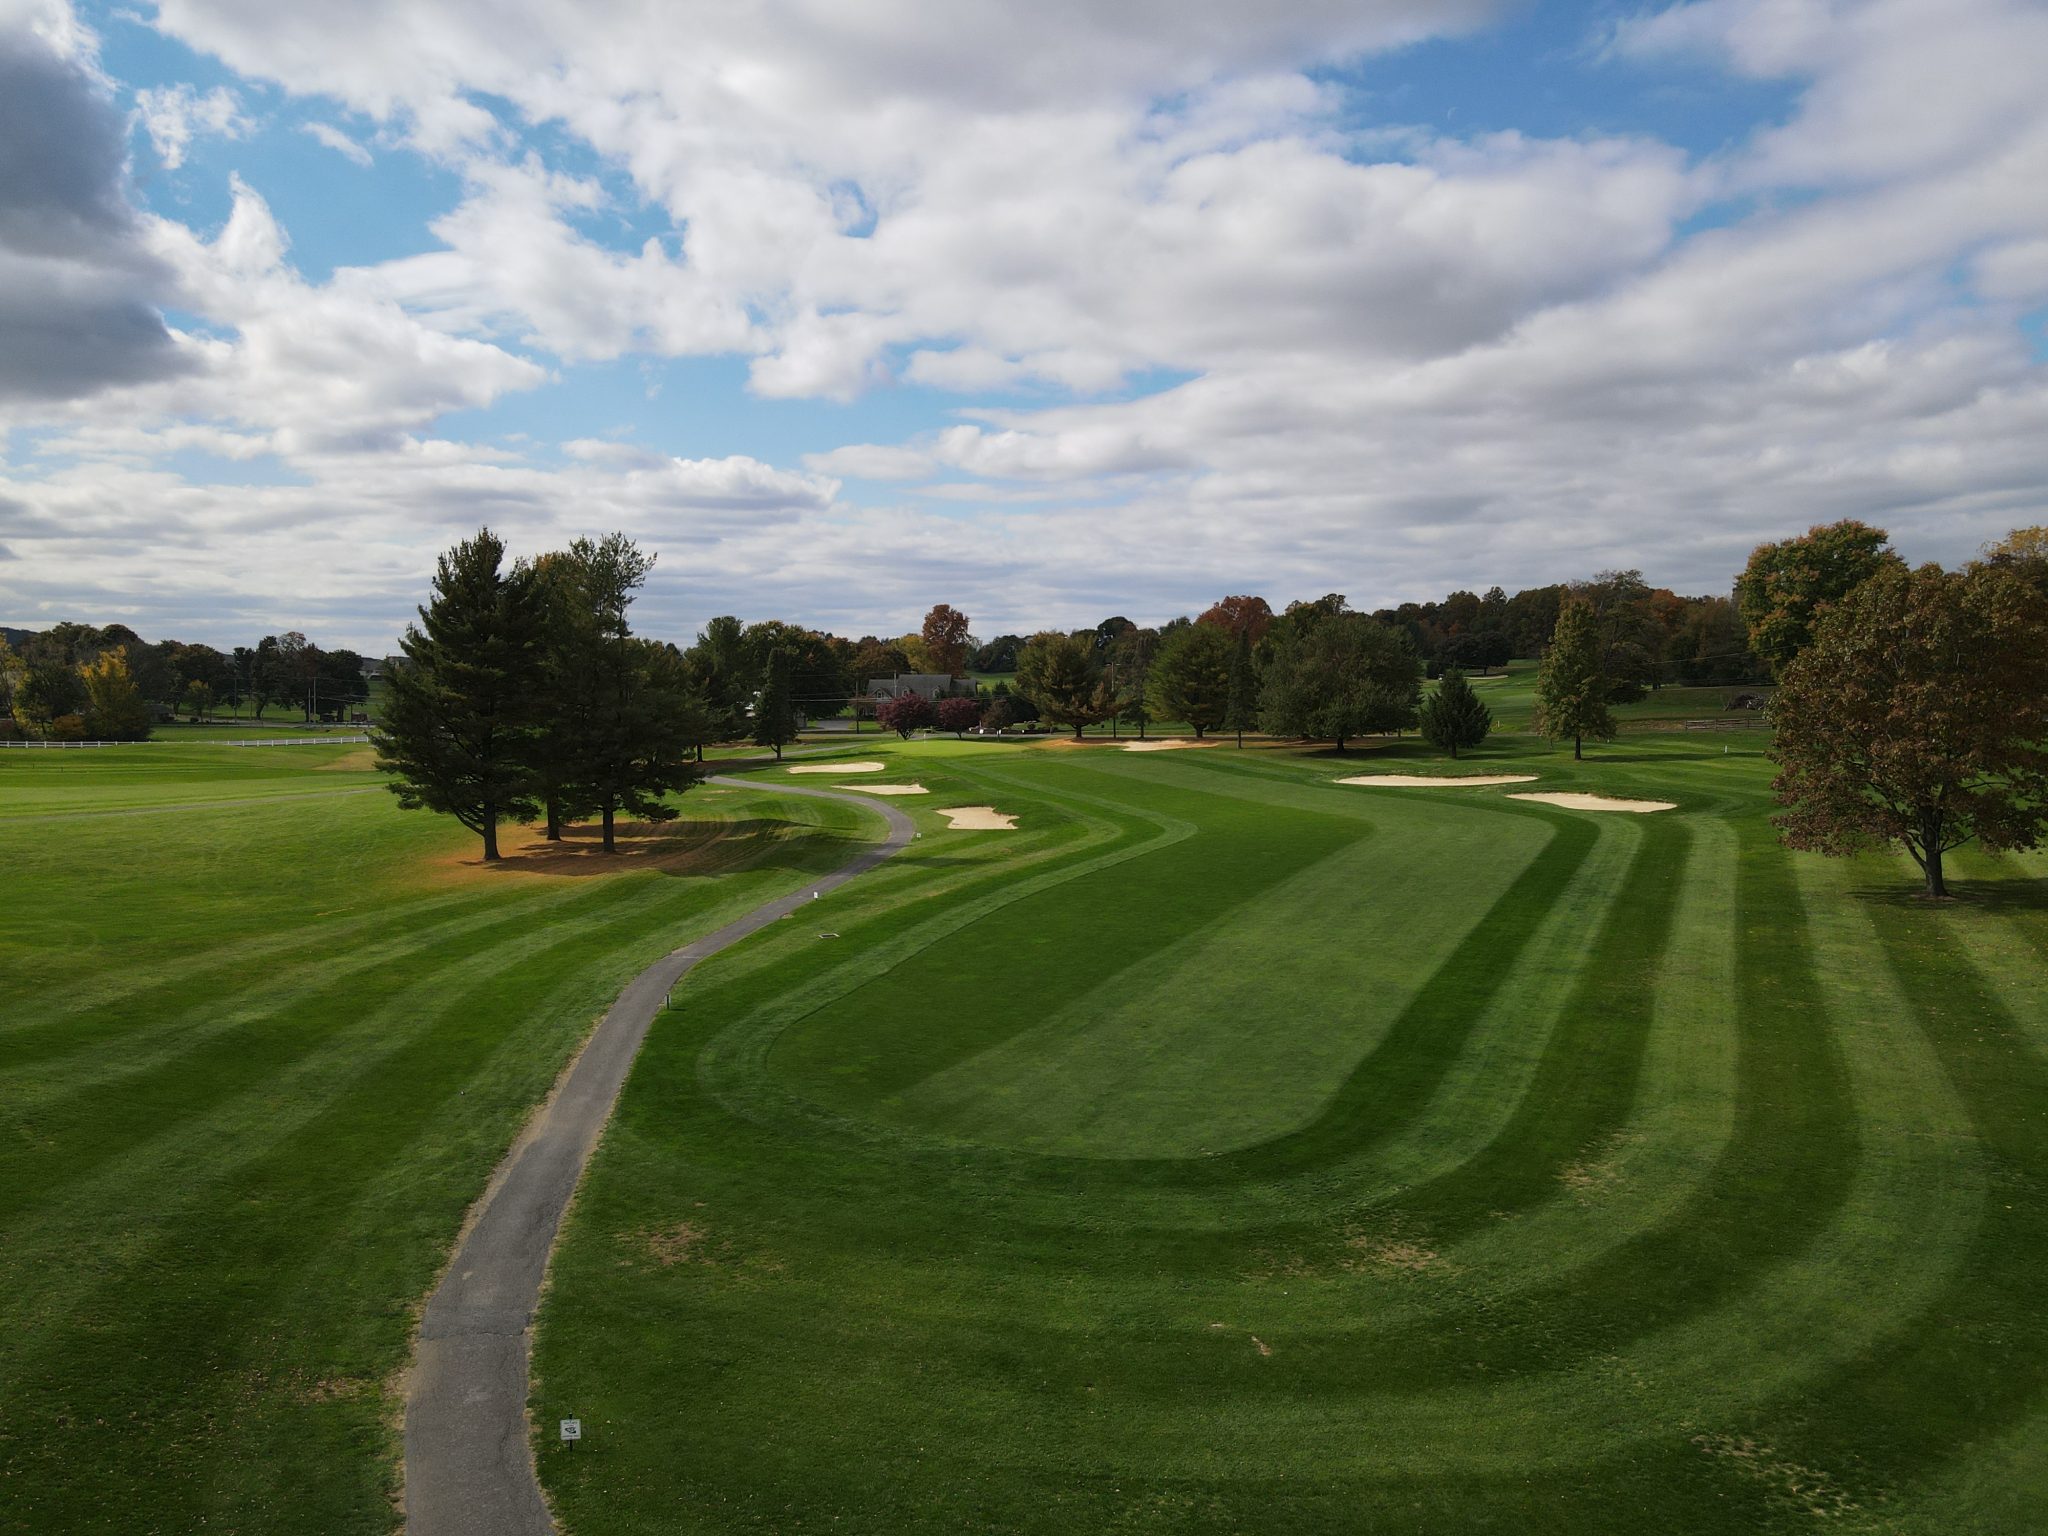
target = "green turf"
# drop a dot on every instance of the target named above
(1225, 1149)
(263, 1041)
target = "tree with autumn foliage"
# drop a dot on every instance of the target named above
(1918, 717)
(2023, 553)
(905, 713)
(1244, 615)
(946, 641)
(958, 715)
(114, 709)
(1787, 586)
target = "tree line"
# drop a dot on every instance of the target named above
(75, 682)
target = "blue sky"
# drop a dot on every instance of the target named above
(847, 312)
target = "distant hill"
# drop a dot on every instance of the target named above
(15, 637)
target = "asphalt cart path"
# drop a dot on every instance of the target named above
(468, 1465)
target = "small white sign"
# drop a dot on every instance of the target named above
(572, 1430)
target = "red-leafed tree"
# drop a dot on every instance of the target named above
(906, 712)
(958, 715)
(1247, 616)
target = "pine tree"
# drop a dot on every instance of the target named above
(774, 708)
(1453, 716)
(457, 726)
(565, 688)
(1572, 689)
(1243, 688)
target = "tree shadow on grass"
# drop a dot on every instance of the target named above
(677, 848)
(2022, 895)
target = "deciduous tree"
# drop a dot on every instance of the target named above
(458, 717)
(48, 692)
(1243, 615)
(958, 715)
(2022, 553)
(1060, 675)
(114, 708)
(946, 641)
(1788, 585)
(1242, 711)
(1330, 674)
(1190, 677)
(1918, 716)
(905, 713)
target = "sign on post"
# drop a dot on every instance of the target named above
(572, 1431)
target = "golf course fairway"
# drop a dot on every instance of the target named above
(1221, 1148)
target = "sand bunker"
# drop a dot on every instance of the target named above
(1169, 744)
(1599, 803)
(885, 789)
(978, 818)
(1440, 780)
(839, 768)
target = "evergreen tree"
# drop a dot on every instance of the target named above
(726, 675)
(1572, 689)
(457, 725)
(1453, 716)
(774, 707)
(640, 749)
(1243, 687)
(565, 688)
(627, 751)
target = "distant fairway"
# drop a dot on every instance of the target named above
(1224, 1149)
(1228, 1150)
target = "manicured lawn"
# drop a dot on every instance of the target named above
(261, 1045)
(1230, 1150)
(1224, 1149)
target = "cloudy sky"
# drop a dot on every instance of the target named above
(1048, 310)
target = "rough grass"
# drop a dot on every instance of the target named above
(257, 1056)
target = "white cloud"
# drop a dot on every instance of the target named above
(331, 136)
(1405, 361)
(175, 115)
